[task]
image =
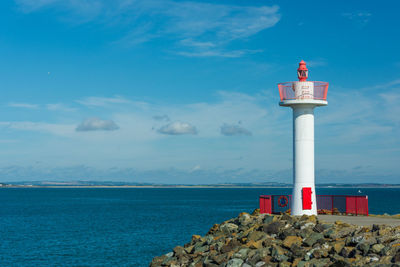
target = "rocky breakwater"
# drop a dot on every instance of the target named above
(283, 240)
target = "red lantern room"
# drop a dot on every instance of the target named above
(302, 71)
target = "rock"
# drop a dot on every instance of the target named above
(256, 235)
(287, 218)
(319, 262)
(157, 261)
(268, 219)
(377, 248)
(234, 263)
(347, 252)
(254, 244)
(179, 251)
(363, 247)
(213, 229)
(256, 212)
(304, 233)
(290, 240)
(329, 233)
(303, 264)
(230, 246)
(195, 238)
(298, 251)
(396, 258)
(284, 264)
(244, 218)
(242, 253)
(278, 254)
(319, 228)
(312, 239)
(307, 225)
(189, 249)
(228, 228)
(339, 263)
(375, 227)
(283, 240)
(272, 228)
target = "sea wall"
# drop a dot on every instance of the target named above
(281, 240)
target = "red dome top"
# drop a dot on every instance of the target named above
(302, 71)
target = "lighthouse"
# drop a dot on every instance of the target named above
(303, 96)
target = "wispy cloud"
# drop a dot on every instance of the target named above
(360, 17)
(161, 118)
(103, 101)
(178, 128)
(96, 124)
(194, 29)
(23, 105)
(217, 53)
(59, 107)
(48, 128)
(319, 62)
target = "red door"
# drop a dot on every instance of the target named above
(307, 202)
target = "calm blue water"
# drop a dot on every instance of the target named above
(125, 227)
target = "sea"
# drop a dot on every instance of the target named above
(127, 226)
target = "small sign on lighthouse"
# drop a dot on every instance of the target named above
(303, 96)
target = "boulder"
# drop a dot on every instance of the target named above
(272, 228)
(377, 248)
(291, 240)
(228, 228)
(312, 239)
(284, 240)
(234, 263)
(244, 218)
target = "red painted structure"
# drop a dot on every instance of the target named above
(326, 204)
(307, 202)
(286, 91)
(302, 71)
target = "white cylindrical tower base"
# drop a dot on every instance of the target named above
(304, 196)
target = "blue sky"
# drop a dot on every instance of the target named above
(186, 91)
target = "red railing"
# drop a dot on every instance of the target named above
(286, 91)
(326, 204)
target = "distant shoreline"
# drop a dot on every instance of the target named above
(186, 186)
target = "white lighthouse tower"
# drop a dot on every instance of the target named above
(303, 96)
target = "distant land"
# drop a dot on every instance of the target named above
(111, 184)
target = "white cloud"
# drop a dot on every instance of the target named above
(96, 124)
(177, 128)
(232, 130)
(23, 105)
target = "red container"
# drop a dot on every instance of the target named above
(326, 204)
(265, 204)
